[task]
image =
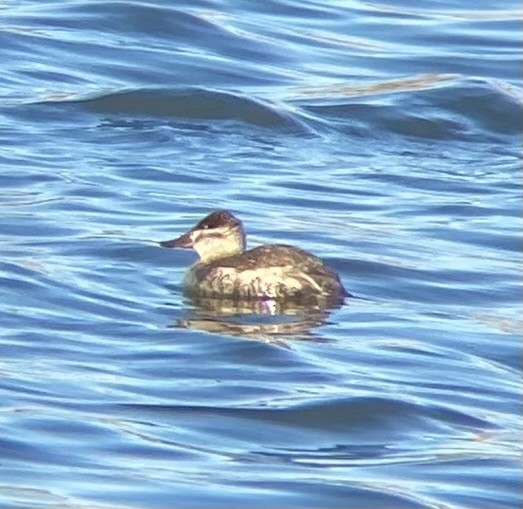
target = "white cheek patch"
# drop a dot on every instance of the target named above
(210, 235)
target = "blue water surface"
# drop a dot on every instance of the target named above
(384, 137)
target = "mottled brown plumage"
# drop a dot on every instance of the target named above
(276, 271)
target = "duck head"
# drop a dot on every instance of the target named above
(218, 235)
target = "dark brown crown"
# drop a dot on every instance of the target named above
(217, 219)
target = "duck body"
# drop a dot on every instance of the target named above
(274, 271)
(271, 271)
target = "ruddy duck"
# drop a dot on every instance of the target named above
(226, 270)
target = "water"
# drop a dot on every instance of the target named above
(383, 137)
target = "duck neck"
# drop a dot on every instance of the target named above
(210, 249)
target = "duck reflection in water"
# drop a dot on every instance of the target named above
(267, 320)
(268, 280)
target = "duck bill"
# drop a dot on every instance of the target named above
(184, 241)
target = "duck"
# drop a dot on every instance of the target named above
(226, 269)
